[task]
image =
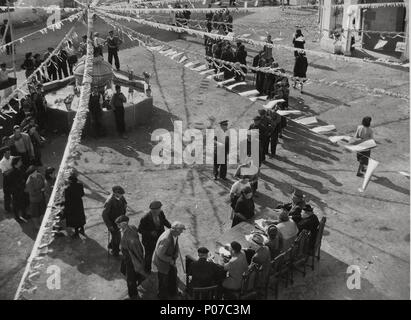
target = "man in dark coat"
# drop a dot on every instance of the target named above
(204, 273)
(296, 205)
(265, 121)
(16, 180)
(262, 132)
(275, 123)
(151, 227)
(308, 221)
(94, 105)
(221, 140)
(114, 207)
(73, 206)
(113, 44)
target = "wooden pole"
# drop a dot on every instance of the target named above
(13, 58)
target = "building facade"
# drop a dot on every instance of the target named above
(353, 27)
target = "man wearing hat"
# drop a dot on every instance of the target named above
(222, 145)
(113, 44)
(275, 122)
(262, 132)
(266, 123)
(203, 273)
(114, 207)
(51, 64)
(151, 227)
(164, 260)
(308, 221)
(296, 205)
(23, 146)
(5, 167)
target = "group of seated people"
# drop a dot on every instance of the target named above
(227, 272)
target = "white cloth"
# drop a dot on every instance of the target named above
(238, 186)
(288, 229)
(5, 164)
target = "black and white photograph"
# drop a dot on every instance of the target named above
(219, 150)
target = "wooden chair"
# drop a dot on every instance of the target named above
(299, 253)
(248, 284)
(207, 293)
(279, 271)
(315, 252)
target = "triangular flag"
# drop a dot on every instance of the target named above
(372, 164)
(307, 121)
(320, 129)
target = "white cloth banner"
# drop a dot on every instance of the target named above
(272, 103)
(368, 144)
(328, 128)
(307, 121)
(287, 112)
(235, 85)
(249, 93)
(335, 139)
(372, 164)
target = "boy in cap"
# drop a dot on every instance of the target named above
(204, 273)
(221, 141)
(164, 260)
(114, 207)
(151, 227)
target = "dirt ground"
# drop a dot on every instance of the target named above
(369, 230)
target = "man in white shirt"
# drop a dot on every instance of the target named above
(98, 44)
(288, 229)
(5, 167)
(5, 80)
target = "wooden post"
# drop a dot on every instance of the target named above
(13, 58)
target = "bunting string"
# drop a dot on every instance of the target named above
(52, 27)
(39, 69)
(236, 66)
(255, 43)
(51, 218)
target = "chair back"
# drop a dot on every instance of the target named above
(207, 293)
(300, 247)
(250, 279)
(279, 264)
(318, 239)
(287, 243)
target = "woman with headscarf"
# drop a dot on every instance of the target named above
(300, 70)
(363, 133)
(261, 258)
(73, 205)
(298, 41)
(132, 264)
(275, 241)
(244, 208)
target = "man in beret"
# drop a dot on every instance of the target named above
(151, 227)
(221, 143)
(296, 205)
(308, 220)
(164, 260)
(114, 207)
(203, 273)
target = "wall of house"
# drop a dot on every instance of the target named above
(24, 17)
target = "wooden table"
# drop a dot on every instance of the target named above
(242, 229)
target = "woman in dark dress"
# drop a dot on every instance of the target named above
(244, 208)
(298, 41)
(260, 78)
(73, 205)
(132, 264)
(300, 70)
